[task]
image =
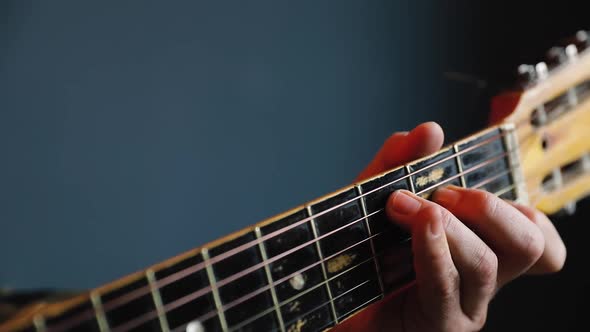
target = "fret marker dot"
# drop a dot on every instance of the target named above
(195, 326)
(297, 281)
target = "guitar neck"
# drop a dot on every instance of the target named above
(306, 269)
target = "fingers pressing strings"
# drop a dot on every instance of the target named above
(554, 253)
(464, 275)
(516, 241)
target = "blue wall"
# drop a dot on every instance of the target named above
(133, 131)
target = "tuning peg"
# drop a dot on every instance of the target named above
(541, 70)
(581, 40)
(556, 56)
(570, 208)
(556, 182)
(526, 74)
(571, 51)
(586, 162)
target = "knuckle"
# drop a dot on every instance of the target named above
(533, 214)
(448, 286)
(534, 245)
(558, 261)
(479, 320)
(484, 202)
(487, 203)
(486, 268)
(432, 211)
(536, 216)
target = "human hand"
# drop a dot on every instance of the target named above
(466, 243)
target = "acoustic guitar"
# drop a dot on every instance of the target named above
(312, 267)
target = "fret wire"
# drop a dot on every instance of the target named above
(96, 312)
(273, 292)
(39, 323)
(409, 171)
(189, 297)
(459, 165)
(323, 304)
(359, 191)
(119, 301)
(505, 190)
(214, 289)
(474, 168)
(103, 324)
(346, 292)
(250, 244)
(267, 311)
(328, 258)
(181, 274)
(286, 278)
(292, 298)
(317, 244)
(399, 289)
(343, 250)
(151, 277)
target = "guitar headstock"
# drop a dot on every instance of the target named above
(551, 113)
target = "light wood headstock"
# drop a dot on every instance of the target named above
(551, 113)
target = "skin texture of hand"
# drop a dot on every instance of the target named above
(466, 243)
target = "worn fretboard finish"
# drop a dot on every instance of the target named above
(305, 270)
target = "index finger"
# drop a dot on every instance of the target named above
(404, 147)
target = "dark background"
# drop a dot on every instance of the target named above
(133, 131)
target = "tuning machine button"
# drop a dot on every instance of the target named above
(542, 71)
(571, 51)
(556, 56)
(570, 208)
(526, 75)
(581, 40)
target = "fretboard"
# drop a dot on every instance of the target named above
(305, 270)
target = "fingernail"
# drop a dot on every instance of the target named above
(435, 227)
(447, 196)
(403, 202)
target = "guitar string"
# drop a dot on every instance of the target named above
(174, 304)
(252, 243)
(228, 306)
(287, 301)
(323, 283)
(400, 288)
(179, 302)
(212, 314)
(110, 305)
(208, 315)
(392, 293)
(197, 267)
